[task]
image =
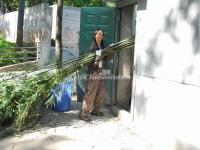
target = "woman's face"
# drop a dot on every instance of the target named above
(99, 36)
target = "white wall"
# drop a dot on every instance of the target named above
(40, 24)
(70, 26)
(167, 88)
(8, 25)
(37, 24)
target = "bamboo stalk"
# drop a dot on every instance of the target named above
(44, 81)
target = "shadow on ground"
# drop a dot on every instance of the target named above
(52, 119)
(61, 129)
(33, 144)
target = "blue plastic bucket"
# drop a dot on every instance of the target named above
(62, 94)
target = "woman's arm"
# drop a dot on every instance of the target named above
(109, 57)
(96, 60)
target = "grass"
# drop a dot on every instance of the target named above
(6, 48)
(5, 44)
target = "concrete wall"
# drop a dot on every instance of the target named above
(167, 88)
(37, 24)
(20, 67)
(40, 25)
(125, 59)
(70, 25)
(8, 25)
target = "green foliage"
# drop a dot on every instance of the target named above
(82, 3)
(8, 51)
(20, 100)
(6, 48)
(7, 103)
(13, 5)
(4, 43)
(30, 3)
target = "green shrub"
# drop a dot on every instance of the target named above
(20, 100)
(9, 55)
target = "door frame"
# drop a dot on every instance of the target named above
(125, 3)
(120, 5)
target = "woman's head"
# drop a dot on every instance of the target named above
(98, 35)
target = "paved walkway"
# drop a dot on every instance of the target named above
(62, 131)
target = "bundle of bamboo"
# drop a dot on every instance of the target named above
(72, 65)
(19, 100)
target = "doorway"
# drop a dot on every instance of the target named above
(127, 17)
(93, 18)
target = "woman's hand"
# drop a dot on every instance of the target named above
(97, 60)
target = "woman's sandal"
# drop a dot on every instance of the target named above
(94, 113)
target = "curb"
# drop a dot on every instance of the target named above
(124, 116)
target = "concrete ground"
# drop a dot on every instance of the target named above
(63, 130)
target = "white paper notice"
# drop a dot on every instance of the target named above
(98, 53)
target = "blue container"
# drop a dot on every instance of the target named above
(62, 94)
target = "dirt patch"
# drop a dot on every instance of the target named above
(63, 130)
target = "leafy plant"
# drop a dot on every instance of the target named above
(13, 5)
(20, 99)
(9, 55)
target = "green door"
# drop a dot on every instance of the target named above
(93, 18)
